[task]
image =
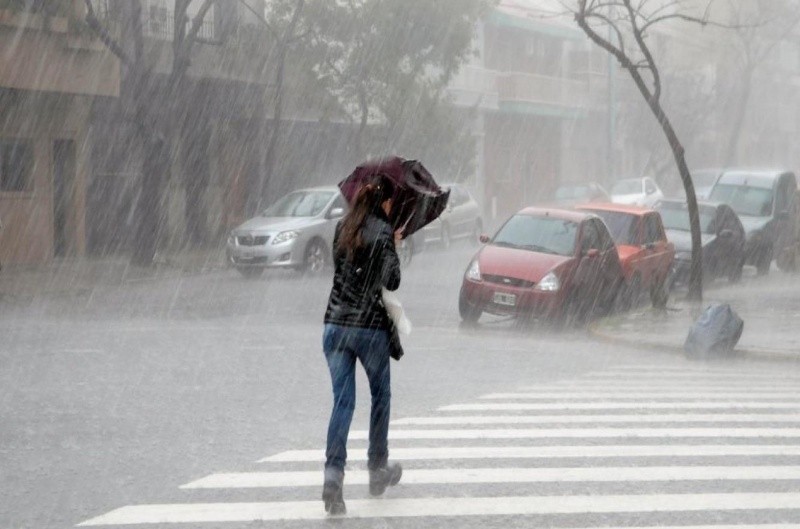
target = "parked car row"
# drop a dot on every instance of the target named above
(561, 263)
(297, 231)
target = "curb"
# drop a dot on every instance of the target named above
(599, 334)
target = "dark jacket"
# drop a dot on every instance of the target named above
(355, 299)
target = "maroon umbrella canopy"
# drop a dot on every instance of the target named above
(418, 199)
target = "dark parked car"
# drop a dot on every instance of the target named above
(546, 263)
(722, 235)
(762, 199)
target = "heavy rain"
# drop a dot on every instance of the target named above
(590, 208)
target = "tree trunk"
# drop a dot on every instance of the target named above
(148, 208)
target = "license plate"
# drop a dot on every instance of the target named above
(501, 298)
(248, 254)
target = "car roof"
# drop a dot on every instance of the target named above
(754, 178)
(565, 214)
(611, 206)
(700, 203)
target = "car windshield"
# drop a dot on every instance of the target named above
(538, 234)
(627, 187)
(745, 200)
(621, 226)
(676, 217)
(299, 204)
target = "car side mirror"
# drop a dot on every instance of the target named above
(726, 234)
(484, 238)
(336, 213)
(592, 253)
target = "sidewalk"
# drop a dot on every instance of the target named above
(70, 277)
(769, 306)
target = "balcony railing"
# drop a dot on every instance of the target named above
(162, 27)
(532, 88)
(476, 80)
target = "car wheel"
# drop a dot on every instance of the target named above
(735, 274)
(250, 272)
(446, 241)
(764, 262)
(469, 313)
(315, 258)
(659, 294)
(632, 293)
(405, 252)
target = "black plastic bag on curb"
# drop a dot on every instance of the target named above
(716, 332)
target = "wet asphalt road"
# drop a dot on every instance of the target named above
(120, 395)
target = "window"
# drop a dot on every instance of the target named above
(16, 165)
(652, 229)
(604, 239)
(622, 226)
(590, 239)
(299, 204)
(538, 234)
(745, 200)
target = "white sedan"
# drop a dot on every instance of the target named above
(636, 192)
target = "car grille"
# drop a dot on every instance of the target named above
(509, 281)
(251, 240)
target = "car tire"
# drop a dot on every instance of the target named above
(315, 258)
(764, 262)
(250, 272)
(632, 292)
(469, 313)
(735, 274)
(659, 294)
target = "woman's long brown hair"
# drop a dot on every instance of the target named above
(369, 199)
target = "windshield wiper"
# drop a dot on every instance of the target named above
(506, 244)
(537, 248)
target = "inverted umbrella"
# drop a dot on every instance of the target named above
(418, 199)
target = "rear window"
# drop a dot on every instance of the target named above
(621, 226)
(745, 200)
(538, 234)
(676, 217)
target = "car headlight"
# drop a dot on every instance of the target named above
(549, 283)
(285, 236)
(474, 271)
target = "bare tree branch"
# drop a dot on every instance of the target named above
(103, 34)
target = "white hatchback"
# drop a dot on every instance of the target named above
(636, 192)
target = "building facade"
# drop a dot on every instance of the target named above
(50, 72)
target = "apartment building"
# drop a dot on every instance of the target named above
(50, 72)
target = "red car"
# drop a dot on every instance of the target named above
(547, 263)
(646, 254)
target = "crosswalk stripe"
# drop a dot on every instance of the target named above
(655, 394)
(658, 385)
(744, 377)
(616, 405)
(582, 433)
(456, 506)
(505, 475)
(582, 419)
(547, 452)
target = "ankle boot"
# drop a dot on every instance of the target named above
(332, 492)
(381, 478)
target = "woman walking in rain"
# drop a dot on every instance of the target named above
(357, 327)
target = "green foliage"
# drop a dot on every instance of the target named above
(388, 62)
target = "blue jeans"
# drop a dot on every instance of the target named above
(342, 346)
